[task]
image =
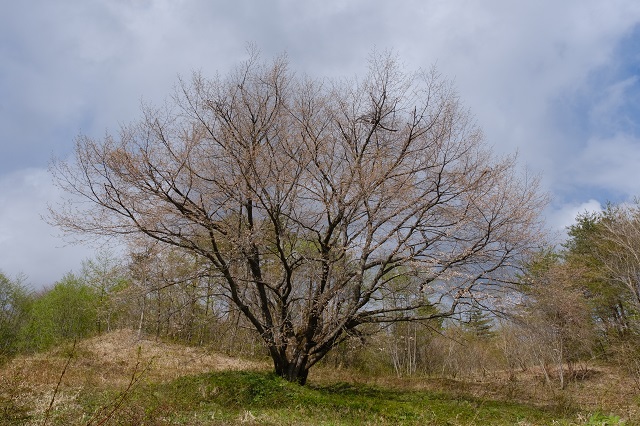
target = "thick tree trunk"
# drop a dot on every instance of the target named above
(295, 371)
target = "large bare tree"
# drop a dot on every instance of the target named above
(320, 206)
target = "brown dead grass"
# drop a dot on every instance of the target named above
(122, 350)
(106, 361)
(112, 358)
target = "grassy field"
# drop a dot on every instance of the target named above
(119, 380)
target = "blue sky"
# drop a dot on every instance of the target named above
(558, 82)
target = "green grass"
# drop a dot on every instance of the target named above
(241, 397)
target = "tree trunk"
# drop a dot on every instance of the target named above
(295, 371)
(141, 322)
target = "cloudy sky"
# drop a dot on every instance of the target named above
(556, 81)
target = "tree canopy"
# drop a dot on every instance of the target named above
(310, 201)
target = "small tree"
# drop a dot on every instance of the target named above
(308, 198)
(619, 252)
(478, 321)
(178, 300)
(105, 274)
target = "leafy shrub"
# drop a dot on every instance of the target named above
(66, 311)
(15, 303)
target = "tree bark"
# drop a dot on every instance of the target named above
(295, 371)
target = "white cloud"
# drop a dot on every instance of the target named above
(611, 164)
(28, 245)
(561, 217)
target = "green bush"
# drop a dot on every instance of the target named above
(65, 312)
(15, 303)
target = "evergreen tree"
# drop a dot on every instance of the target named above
(478, 321)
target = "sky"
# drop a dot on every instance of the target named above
(555, 81)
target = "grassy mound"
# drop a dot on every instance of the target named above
(254, 397)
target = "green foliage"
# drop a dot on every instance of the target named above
(581, 234)
(15, 303)
(66, 311)
(585, 251)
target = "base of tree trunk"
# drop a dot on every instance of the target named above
(291, 372)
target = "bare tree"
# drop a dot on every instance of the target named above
(176, 297)
(619, 250)
(106, 275)
(555, 319)
(313, 201)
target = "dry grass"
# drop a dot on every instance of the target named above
(111, 358)
(107, 361)
(121, 350)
